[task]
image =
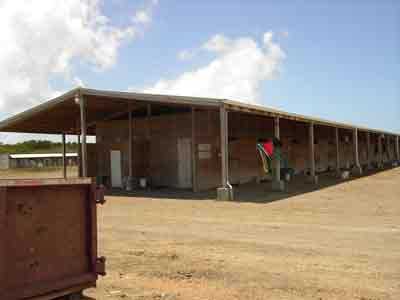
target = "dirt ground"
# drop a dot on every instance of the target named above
(55, 172)
(340, 241)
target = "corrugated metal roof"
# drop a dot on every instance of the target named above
(41, 155)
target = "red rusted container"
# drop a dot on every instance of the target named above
(48, 238)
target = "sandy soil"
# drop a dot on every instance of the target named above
(341, 241)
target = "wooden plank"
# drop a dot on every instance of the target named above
(224, 147)
(82, 103)
(337, 144)
(79, 155)
(64, 153)
(355, 144)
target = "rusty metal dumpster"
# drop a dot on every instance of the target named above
(48, 238)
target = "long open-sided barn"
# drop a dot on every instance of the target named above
(198, 143)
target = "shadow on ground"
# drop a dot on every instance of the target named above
(249, 192)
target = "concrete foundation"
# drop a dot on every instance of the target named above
(225, 194)
(278, 185)
(312, 179)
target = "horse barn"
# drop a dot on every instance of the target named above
(198, 143)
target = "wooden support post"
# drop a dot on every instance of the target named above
(337, 144)
(398, 148)
(225, 192)
(388, 149)
(129, 183)
(79, 155)
(194, 152)
(368, 151)
(312, 178)
(64, 156)
(357, 167)
(277, 183)
(380, 151)
(82, 104)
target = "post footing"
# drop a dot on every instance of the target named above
(357, 170)
(225, 194)
(278, 185)
(129, 183)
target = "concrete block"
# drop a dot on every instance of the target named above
(312, 179)
(357, 170)
(278, 185)
(129, 183)
(224, 194)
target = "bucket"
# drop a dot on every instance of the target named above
(143, 182)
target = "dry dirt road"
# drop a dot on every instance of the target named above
(339, 242)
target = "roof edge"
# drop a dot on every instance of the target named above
(41, 107)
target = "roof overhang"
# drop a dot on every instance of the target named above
(62, 114)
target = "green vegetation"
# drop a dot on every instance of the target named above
(34, 146)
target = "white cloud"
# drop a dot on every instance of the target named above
(144, 16)
(239, 68)
(41, 40)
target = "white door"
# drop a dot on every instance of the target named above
(116, 174)
(185, 163)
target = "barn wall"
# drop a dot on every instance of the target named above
(154, 147)
(207, 149)
(246, 129)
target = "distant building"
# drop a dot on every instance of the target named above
(4, 161)
(36, 160)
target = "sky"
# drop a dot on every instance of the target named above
(338, 60)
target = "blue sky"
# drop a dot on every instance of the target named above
(341, 58)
